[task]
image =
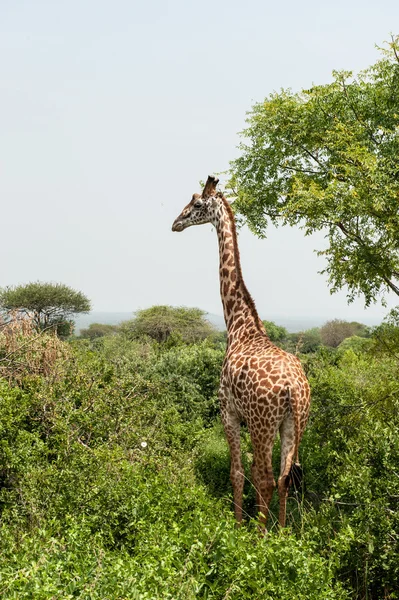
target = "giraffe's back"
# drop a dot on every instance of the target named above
(259, 381)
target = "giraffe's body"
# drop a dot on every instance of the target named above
(260, 384)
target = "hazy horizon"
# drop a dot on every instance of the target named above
(293, 323)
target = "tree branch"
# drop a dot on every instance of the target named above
(358, 119)
(359, 240)
(301, 170)
(309, 153)
(394, 48)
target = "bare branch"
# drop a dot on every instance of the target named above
(394, 48)
(321, 165)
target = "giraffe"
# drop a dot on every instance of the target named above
(260, 384)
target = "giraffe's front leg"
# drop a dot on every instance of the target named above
(231, 424)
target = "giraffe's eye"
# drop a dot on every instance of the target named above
(198, 204)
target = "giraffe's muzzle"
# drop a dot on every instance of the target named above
(177, 226)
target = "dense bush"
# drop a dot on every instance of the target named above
(115, 480)
(25, 352)
(192, 373)
(97, 330)
(351, 453)
(277, 333)
(304, 342)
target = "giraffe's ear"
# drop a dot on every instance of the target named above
(232, 199)
(210, 186)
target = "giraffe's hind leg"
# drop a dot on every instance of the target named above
(263, 480)
(262, 437)
(287, 436)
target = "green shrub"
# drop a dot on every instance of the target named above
(201, 556)
(98, 330)
(192, 375)
(114, 481)
(350, 451)
(212, 462)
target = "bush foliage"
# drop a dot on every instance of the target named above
(96, 330)
(114, 479)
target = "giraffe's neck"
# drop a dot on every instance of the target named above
(239, 309)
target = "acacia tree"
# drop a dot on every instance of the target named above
(51, 305)
(326, 159)
(161, 322)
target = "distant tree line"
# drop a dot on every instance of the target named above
(53, 306)
(331, 334)
(173, 325)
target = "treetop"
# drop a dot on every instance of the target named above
(38, 296)
(325, 158)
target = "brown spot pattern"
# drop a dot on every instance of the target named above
(260, 383)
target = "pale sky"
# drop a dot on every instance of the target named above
(111, 113)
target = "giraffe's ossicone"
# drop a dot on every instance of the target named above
(260, 384)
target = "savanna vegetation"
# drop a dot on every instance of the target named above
(114, 472)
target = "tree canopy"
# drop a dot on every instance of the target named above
(326, 158)
(304, 341)
(276, 333)
(97, 330)
(161, 322)
(336, 331)
(49, 304)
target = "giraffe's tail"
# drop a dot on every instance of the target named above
(296, 477)
(296, 473)
(293, 397)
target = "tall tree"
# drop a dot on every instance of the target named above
(336, 331)
(161, 322)
(326, 158)
(51, 305)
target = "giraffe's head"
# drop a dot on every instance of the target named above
(202, 208)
